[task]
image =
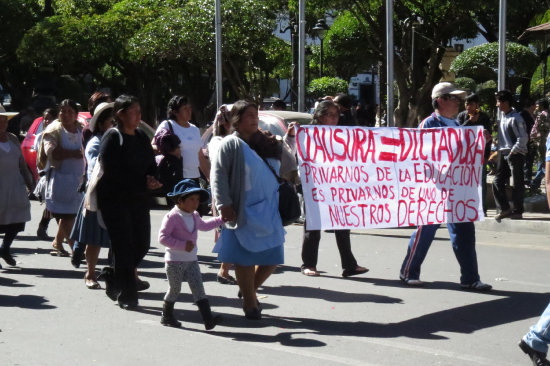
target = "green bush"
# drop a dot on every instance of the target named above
(321, 87)
(486, 92)
(481, 62)
(467, 84)
(537, 82)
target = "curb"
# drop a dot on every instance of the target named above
(526, 225)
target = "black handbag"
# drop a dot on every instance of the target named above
(289, 203)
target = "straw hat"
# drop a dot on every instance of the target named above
(3, 112)
(102, 107)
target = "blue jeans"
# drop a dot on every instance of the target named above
(541, 171)
(538, 336)
(463, 240)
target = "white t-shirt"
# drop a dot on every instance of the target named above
(190, 145)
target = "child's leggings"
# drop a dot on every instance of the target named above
(177, 272)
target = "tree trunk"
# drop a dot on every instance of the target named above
(417, 98)
(48, 9)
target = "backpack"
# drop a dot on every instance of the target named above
(164, 134)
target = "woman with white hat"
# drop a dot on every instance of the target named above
(15, 208)
(87, 233)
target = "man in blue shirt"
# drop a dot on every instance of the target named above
(445, 101)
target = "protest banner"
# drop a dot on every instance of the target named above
(360, 178)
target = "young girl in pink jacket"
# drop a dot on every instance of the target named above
(178, 233)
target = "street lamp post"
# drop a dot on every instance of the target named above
(321, 29)
(414, 21)
(294, 82)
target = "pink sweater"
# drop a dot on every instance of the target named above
(174, 235)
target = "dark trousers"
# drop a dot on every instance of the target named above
(506, 168)
(129, 227)
(10, 233)
(310, 248)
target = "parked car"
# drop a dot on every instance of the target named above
(275, 122)
(37, 126)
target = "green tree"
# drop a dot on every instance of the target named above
(247, 34)
(540, 80)
(16, 17)
(441, 23)
(154, 49)
(466, 83)
(83, 44)
(481, 64)
(326, 85)
(345, 47)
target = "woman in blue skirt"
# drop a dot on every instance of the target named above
(87, 233)
(246, 195)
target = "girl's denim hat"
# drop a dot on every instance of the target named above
(187, 187)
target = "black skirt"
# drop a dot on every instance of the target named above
(17, 227)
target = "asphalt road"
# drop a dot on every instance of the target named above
(48, 316)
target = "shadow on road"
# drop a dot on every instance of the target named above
(328, 295)
(46, 272)
(30, 238)
(25, 302)
(508, 307)
(8, 282)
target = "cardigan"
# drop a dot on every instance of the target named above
(227, 178)
(53, 133)
(173, 234)
(23, 167)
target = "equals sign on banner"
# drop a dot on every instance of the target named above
(385, 155)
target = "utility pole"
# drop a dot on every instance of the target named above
(301, 56)
(219, 75)
(389, 62)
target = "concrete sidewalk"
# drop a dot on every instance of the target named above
(532, 222)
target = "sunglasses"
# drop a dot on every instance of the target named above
(451, 97)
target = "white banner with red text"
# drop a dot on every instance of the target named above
(361, 178)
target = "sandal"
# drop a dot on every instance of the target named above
(310, 271)
(60, 253)
(92, 285)
(228, 280)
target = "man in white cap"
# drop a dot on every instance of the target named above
(445, 101)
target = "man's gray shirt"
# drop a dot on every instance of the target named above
(512, 135)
